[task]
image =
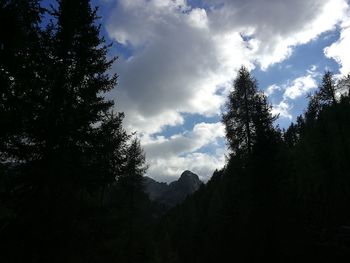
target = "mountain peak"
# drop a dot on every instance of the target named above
(176, 191)
(189, 177)
(188, 173)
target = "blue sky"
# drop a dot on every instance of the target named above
(178, 58)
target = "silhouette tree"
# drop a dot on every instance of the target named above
(67, 144)
(20, 64)
(132, 206)
(247, 114)
(131, 179)
(284, 201)
(77, 80)
(238, 118)
(107, 154)
(265, 133)
(327, 90)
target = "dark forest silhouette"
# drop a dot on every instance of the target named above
(71, 178)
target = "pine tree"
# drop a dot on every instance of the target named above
(327, 93)
(76, 80)
(131, 179)
(136, 161)
(313, 108)
(107, 154)
(247, 115)
(132, 204)
(69, 143)
(238, 118)
(20, 64)
(265, 133)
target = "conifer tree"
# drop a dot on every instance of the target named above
(69, 145)
(265, 133)
(77, 79)
(247, 115)
(135, 159)
(131, 179)
(238, 118)
(327, 90)
(20, 55)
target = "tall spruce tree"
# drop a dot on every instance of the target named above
(20, 64)
(66, 139)
(327, 93)
(238, 117)
(247, 117)
(131, 178)
(75, 106)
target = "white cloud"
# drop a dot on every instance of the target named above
(293, 90)
(202, 164)
(278, 26)
(182, 56)
(198, 18)
(272, 89)
(144, 125)
(300, 86)
(184, 59)
(174, 69)
(202, 134)
(313, 68)
(339, 50)
(282, 110)
(169, 157)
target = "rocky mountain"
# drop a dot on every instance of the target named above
(154, 189)
(173, 193)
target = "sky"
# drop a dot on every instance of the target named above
(178, 58)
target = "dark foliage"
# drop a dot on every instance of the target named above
(282, 201)
(64, 153)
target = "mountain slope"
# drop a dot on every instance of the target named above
(175, 192)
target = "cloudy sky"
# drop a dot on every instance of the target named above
(177, 60)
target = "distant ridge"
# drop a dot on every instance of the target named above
(175, 192)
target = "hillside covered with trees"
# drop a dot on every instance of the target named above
(283, 194)
(71, 177)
